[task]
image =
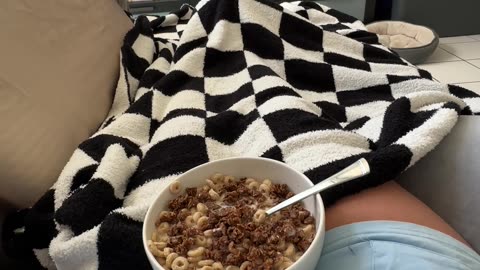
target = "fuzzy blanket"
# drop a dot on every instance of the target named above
(296, 82)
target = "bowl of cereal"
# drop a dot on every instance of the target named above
(213, 217)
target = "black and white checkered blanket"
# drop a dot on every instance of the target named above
(296, 82)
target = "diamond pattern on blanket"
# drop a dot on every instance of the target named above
(296, 82)
(221, 64)
(345, 61)
(277, 66)
(294, 30)
(232, 121)
(270, 16)
(292, 52)
(365, 95)
(217, 10)
(228, 99)
(306, 75)
(262, 42)
(220, 39)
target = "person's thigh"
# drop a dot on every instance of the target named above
(386, 202)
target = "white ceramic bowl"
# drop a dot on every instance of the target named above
(258, 168)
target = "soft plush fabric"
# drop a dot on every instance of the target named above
(58, 69)
(299, 83)
(395, 34)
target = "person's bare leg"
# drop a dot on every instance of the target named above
(386, 202)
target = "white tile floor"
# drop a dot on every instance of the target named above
(457, 61)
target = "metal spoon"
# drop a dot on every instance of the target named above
(358, 169)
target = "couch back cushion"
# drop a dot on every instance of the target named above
(59, 64)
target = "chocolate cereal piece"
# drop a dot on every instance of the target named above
(228, 232)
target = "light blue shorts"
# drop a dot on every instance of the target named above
(389, 245)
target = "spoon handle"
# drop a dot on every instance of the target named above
(358, 169)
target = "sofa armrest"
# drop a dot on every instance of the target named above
(448, 179)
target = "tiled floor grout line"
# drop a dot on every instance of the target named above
(460, 42)
(465, 60)
(468, 61)
(455, 54)
(460, 59)
(440, 48)
(469, 36)
(472, 64)
(467, 82)
(468, 41)
(448, 61)
(452, 62)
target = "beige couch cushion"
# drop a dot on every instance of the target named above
(59, 64)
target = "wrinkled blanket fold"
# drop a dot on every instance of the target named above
(296, 82)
